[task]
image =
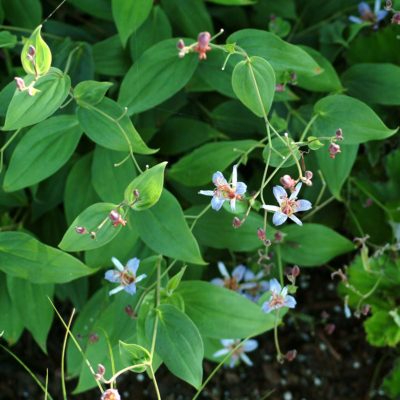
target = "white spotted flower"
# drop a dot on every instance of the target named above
(279, 297)
(288, 206)
(239, 353)
(224, 191)
(124, 275)
(228, 281)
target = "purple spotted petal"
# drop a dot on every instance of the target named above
(112, 276)
(275, 286)
(133, 265)
(238, 272)
(241, 188)
(303, 205)
(218, 179)
(279, 218)
(216, 203)
(290, 302)
(279, 193)
(131, 288)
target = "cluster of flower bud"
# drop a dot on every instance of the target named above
(263, 237)
(292, 273)
(334, 148)
(202, 46)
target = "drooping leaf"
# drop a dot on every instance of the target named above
(23, 256)
(42, 151)
(91, 92)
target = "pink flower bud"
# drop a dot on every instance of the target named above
(181, 44)
(111, 394)
(136, 194)
(130, 311)
(203, 45)
(339, 134)
(291, 355)
(80, 229)
(396, 18)
(333, 150)
(295, 271)
(20, 83)
(288, 182)
(366, 308)
(93, 338)
(278, 237)
(308, 174)
(101, 369)
(261, 234)
(329, 328)
(236, 222)
(31, 51)
(280, 87)
(116, 218)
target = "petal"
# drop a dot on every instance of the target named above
(112, 276)
(245, 358)
(131, 288)
(295, 219)
(279, 218)
(219, 353)
(264, 286)
(218, 179)
(227, 342)
(216, 203)
(217, 282)
(275, 286)
(116, 290)
(293, 196)
(279, 193)
(290, 302)
(377, 6)
(364, 8)
(117, 263)
(222, 269)
(140, 278)
(241, 188)
(233, 204)
(284, 291)
(270, 208)
(234, 176)
(133, 265)
(355, 20)
(381, 14)
(238, 272)
(303, 205)
(207, 192)
(266, 308)
(249, 275)
(250, 345)
(248, 285)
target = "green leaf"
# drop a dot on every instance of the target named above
(197, 167)
(337, 171)
(382, 329)
(233, 2)
(23, 13)
(25, 110)
(281, 151)
(7, 40)
(188, 17)
(97, 8)
(107, 124)
(180, 345)
(374, 83)
(23, 256)
(214, 229)
(327, 81)
(91, 218)
(129, 15)
(156, 76)
(314, 143)
(134, 354)
(165, 221)
(232, 315)
(90, 92)
(43, 150)
(312, 245)
(149, 184)
(175, 280)
(41, 62)
(391, 384)
(359, 123)
(253, 82)
(110, 180)
(31, 301)
(155, 29)
(281, 55)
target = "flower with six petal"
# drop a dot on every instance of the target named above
(254, 285)
(279, 297)
(239, 353)
(288, 206)
(231, 282)
(224, 191)
(367, 15)
(125, 276)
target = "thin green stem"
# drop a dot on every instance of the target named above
(69, 59)
(155, 383)
(25, 30)
(279, 262)
(199, 216)
(308, 127)
(279, 355)
(6, 144)
(122, 371)
(318, 208)
(63, 388)
(9, 64)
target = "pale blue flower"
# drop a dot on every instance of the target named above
(124, 275)
(254, 286)
(287, 206)
(224, 191)
(231, 282)
(279, 297)
(367, 15)
(239, 353)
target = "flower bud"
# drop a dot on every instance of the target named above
(31, 51)
(339, 134)
(130, 311)
(333, 150)
(93, 338)
(308, 174)
(295, 271)
(236, 222)
(116, 218)
(203, 41)
(329, 328)
(280, 87)
(20, 83)
(287, 182)
(396, 19)
(100, 372)
(388, 5)
(366, 308)
(181, 44)
(81, 230)
(261, 234)
(111, 394)
(291, 355)
(278, 237)
(136, 194)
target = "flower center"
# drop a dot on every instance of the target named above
(288, 206)
(277, 300)
(126, 278)
(231, 283)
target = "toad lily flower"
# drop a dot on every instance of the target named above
(231, 282)
(239, 353)
(366, 14)
(224, 191)
(125, 276)
(279, 298)
(254, 285)
(287, 206)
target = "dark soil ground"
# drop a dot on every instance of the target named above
(336, 365)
